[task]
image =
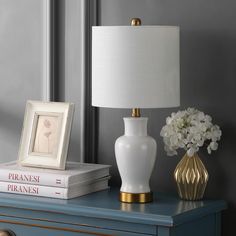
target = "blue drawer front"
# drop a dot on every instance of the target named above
(23, 227)
(79, 220)
(20, 230)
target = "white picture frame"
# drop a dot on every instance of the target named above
(45, 134)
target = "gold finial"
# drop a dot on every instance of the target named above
(136, 112)
(135, 22)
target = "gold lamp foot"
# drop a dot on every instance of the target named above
(136, 197)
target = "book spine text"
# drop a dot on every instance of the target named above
(33, 178)
(34, 190)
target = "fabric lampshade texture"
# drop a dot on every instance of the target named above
(135, 66)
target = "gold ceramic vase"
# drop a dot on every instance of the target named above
(191, 177)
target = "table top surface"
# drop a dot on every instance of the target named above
(166, 209)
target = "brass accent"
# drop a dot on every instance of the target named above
(53, 228)
(191, 177)
(6, 233)
(136, 112)
(135, 22)
(136, 197)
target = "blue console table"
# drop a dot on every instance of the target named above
(102, 214)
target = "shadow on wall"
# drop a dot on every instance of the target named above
(208, 69)
(208, 82)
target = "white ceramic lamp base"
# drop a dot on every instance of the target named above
(135, 156)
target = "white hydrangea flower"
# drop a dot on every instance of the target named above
(190, 129)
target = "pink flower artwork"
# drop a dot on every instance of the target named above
(47, 123)
(46, 134)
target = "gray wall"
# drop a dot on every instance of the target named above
(22, 54)
(208, 82)
(21, 67)
(73, 21)
(71, 69)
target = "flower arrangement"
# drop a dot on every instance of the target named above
(190, 129)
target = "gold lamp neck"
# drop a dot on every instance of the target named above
(136, 112)
(135, 22)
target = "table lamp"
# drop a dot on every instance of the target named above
(135, 67)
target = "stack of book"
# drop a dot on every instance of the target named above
(78, 179)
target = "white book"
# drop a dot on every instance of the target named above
(75, 172)
(73, 191)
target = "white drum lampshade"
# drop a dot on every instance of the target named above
(135, 67)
